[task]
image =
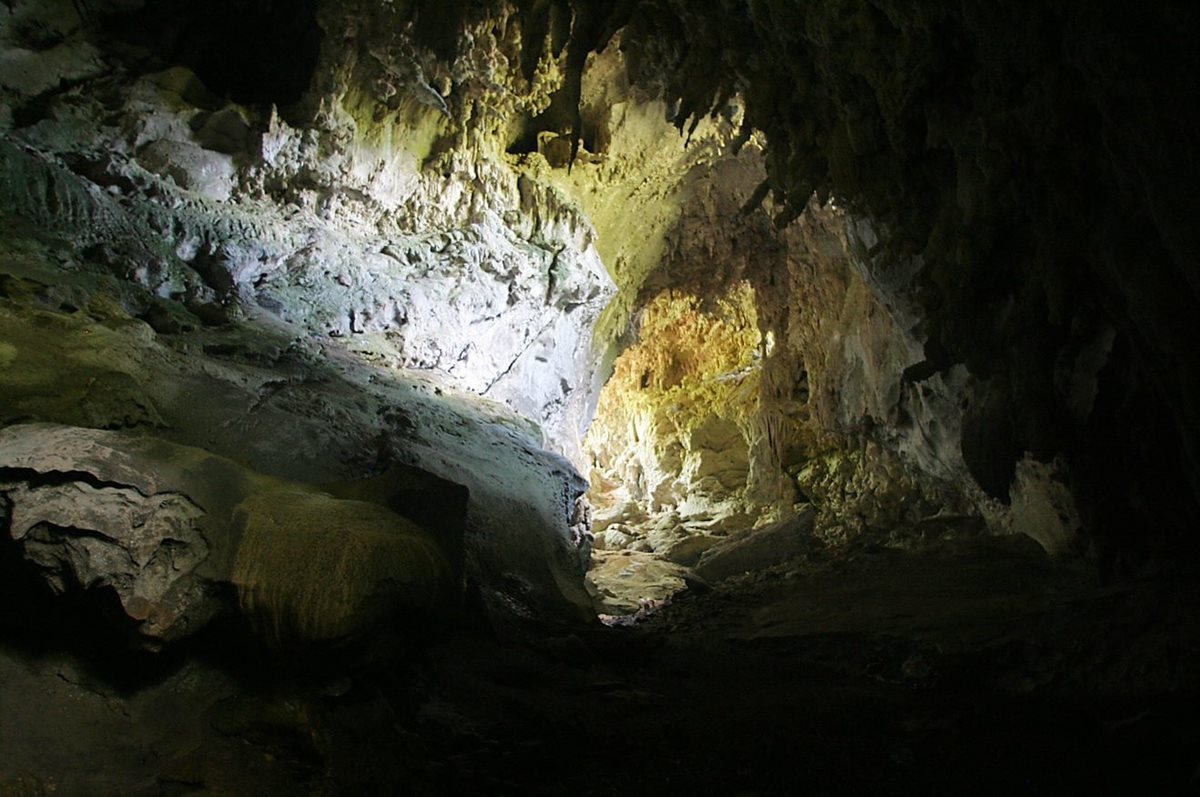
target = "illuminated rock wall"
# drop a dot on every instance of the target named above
(739, 402)
(512, 200)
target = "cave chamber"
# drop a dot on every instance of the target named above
(562, 397)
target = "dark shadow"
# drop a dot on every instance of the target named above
(248, 51)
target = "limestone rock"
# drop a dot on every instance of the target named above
(1040, 506)
(89, 514)
(466, 208)
(313, 414)
(611, 539)
(759, 548)
(381, 261)
(309, 566)
(168, 528)
(226, 131)
(626, 581)
(207, 173)
(338, 233)
(146, 548)
(670, 539)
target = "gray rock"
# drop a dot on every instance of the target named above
(146, 548)
(758, 549)
(224, 131)
(625, 581)
(675, 542)
(305, 413)
(612, 539)
(207, 173)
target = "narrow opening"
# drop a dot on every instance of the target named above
(678, 462)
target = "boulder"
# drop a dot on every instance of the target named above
(311, 566)
(758, 549)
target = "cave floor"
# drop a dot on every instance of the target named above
(975, 665)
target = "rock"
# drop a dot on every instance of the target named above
(145, 548)
(677, 544)
(312, 567)
(695, 583)
(261, 392)
(225, 131)
(758, 549)
(555, 149)
(753, 341)
(612, 539)
(625, 581)
(1041, 506)
(92, 509)
(207, 173)
(168, 318)
(170, 528)
(28, 67)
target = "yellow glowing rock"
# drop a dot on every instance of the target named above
(680, 425)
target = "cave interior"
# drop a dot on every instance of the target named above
(599, 397)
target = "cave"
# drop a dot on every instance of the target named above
(544, 397)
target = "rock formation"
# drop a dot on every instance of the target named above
(508, 198)
(322, 318)
(169, 529)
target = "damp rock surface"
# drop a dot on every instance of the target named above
(323, 422)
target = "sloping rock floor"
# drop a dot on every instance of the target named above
(973, 665)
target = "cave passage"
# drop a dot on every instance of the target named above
(543, 397)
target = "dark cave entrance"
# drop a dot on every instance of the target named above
(248, 51)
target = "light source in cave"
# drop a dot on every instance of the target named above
(678, 456)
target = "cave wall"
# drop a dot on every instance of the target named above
(1031, 158)
(771, 374)
(1022, 172)
(324, 289)
(347, 227)
(340, 281)
(969, 278)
